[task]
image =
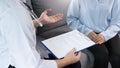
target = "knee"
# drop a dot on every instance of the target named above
(101, 60)
(87, 59)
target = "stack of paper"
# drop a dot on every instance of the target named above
(60, 45)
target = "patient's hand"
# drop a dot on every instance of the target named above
(97, 38)
(45, 19)
(93, 36)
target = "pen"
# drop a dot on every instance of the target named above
(35, 17)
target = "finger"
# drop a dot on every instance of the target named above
(47, 11)
(94, 36)
(95, 40)
(53, 19)
(73, 50)
(100, 41)
(78, 55)
(58, 16)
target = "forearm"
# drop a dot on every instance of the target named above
(62, 63)
(110, 32)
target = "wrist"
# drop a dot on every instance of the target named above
(62, 62)
(37, 22)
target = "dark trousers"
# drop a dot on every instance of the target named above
(109, 51)
(10, 66)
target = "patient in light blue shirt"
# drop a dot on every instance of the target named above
(100, 21)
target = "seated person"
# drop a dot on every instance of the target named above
(100, 21)
(51, 30)
(17, 39)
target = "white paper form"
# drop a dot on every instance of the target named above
(62, 44)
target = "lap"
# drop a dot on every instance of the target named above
(113, 45)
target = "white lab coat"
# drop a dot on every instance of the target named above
(17, 38)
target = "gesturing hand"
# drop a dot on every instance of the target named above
(45, 19)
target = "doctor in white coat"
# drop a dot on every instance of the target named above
(18, 40)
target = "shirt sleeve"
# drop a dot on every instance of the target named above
(114, 27)
(47, 64)
(73, 18)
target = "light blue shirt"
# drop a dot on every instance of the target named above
(18, 39)
(101, 16)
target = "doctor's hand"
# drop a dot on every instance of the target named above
(45, 19)
(71, 57)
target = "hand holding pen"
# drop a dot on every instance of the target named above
(44, 18)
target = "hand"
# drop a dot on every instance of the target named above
(93, 36)
(97, 38)
(45, 19)
(71, 57)
(101, 39)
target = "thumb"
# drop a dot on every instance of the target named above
(78, 55)
(47, 10)
(73, 50)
